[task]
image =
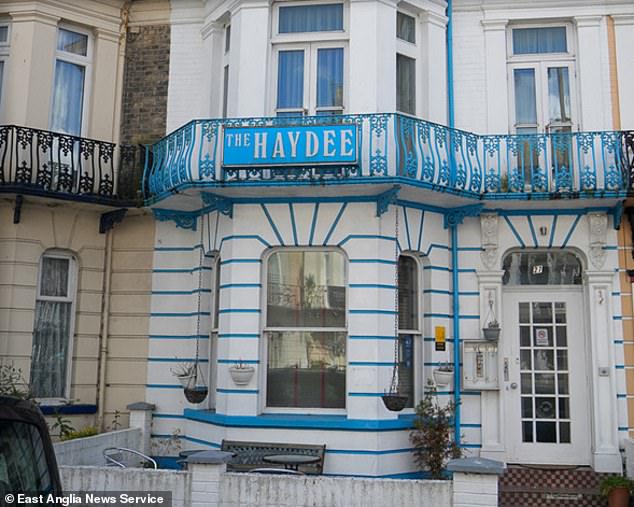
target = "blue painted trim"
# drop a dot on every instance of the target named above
(301, 421)
(623, 428)
(368, 452)
(514, 231)
(365, 236)
(163, 386)
(182, 270)
(553, 226)
(240, 261)
(437, 291)
(335, 223)
(80, 408)
(237, 391)
(470, 446)
(373, 312)
(371, 337)
(238, 335)
(238, 361)
(313, 223)
(369, 261)
(572, 229)
(435, 268)
(372, 395)
(438, 315)
(159, 415)
(177, 337)
(272, 224)
(175, 360)
(409, 241)
(619, 342)
(371, 286)
(240, 286)
(532, 228)
(239, 310)
(370, 363)
(621, 396)
(619, 366)
(177, 315)
(177, 248)
(617, 317)
(293, 226)
(471, 425)
(244, 236)
(467, 317)
(455, 287)
(467, 293)
(450, 89)
(469, 249)
(420, 229)
(179, 292)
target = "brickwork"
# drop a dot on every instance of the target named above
(145, 84)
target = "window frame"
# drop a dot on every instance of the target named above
(264, 346)
(71, 297)
(417, 334)
(79, 60)
(409, 50)
(571, 42)
(277, 37)
(5, 49)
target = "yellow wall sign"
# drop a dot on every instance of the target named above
(439, 338)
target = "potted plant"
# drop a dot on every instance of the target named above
(443, 375)
(241, 373)
(432, 434)
(616, 489)
(193, 384)
(492, 331)
(185, 373)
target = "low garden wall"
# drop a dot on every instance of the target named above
(88, 450)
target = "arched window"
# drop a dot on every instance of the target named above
(408, 324)
(306, 329)
(53, 327)
(553, 267)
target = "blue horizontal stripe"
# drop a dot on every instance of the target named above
(437, 291)
(366, 394)
(176, 360)
(238, 361)
(177, 248)
(620, 396)
(468, 293)
(163, 386)
(179, 292)
(237, 391)
(239, 310)
(371, 337)
(368, 452)
(373, 312)
(370, 363)
(245, 236)
(617, 317)
(302, 421)
(469, 249)
(184, 314)
(365, 236)
(79, 408)
(467, 317)
(623, 428)
(238, 335)
(470, 425)
(470, 446)
(619, 342)
(159, 415)
(177, 337)
(240, 285)
(182, 270)
(240, 261)
(369, 261)
(189, 439)
(462, 393)
(619, 366)
(435, 268)
(438, 315)
(371, 286)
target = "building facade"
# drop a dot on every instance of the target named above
(343, 196)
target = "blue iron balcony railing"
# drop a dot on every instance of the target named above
(417, 152)
(50, 164)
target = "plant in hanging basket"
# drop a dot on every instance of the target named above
(492, 331)
(394, 402)
(185, 373)
(241, 373)
(443, 375)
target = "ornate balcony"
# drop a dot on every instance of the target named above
(49, 164)
(393, 148)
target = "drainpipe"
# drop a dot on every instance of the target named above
(456, 330)
(116, 112)
(103, 338)
(450, 97)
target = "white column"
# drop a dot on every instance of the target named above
(433, 78)
(372, 50)
(624, 35)
(496, 75)
(492, 403)
(213, 71)
(141, 417)
(207, 468)
(594, 116)
(248, 60)
(475, 481)
(605, 448)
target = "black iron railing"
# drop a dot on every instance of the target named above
(34, 161)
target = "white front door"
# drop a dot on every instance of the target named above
(545, 388)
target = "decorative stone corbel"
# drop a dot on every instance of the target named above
(598, 223)
(489, 237)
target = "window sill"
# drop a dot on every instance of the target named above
(49, 407)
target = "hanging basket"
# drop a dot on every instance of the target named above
(442, 377)
(196, 394)
(394, 402)
(491, 333)
(241, 375)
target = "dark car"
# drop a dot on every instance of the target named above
(27, 458)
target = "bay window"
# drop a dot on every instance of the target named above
(306, 329)
(53, 326)
(408, 324)
(69, 88)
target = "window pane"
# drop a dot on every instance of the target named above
(216, 295)
(306, 369)
(54, 278)
(405, 84)
(23, 466)
(4, 34)
(227, 38)
(225, 90)
(1, 77)
(405, 27)
(558, 94)
(525, 102)
(51, 337)
(290, 80)
(68, 98)
(406, 368)
(311, 18)
(542, 268)
(407, 287)
(330, 77)
(72, 42)
(539, 40)
(306, 289)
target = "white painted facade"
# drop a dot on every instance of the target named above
(364, 438)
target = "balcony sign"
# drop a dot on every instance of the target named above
(290, 146)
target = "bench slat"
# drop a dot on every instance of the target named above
(250, 455)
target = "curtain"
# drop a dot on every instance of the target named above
(405, 84)
(72, 42)
(407, 300)
(330, 77)
(405, 27)
(311, 18)
(290, 80)
(51, 338)
(539, 40)
(525, 97)
(54, 277)
(68, 98)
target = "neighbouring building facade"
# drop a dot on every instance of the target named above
(337, 198)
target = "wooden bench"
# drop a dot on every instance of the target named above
(249, 455)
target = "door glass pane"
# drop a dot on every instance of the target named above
(311, 18)
(68, 98)
(542, 313)
(546, 432)
(544, 383)
(564, 432)
(525, 97)
(525, 360)
(290, 80)
(542, 268)
(545, 408)
(539, 40)
(405, 84)
(330, 77)
(558, 94)
(544, 360)
(527, 406)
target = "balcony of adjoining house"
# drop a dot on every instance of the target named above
(60, 166)
(372, 152)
